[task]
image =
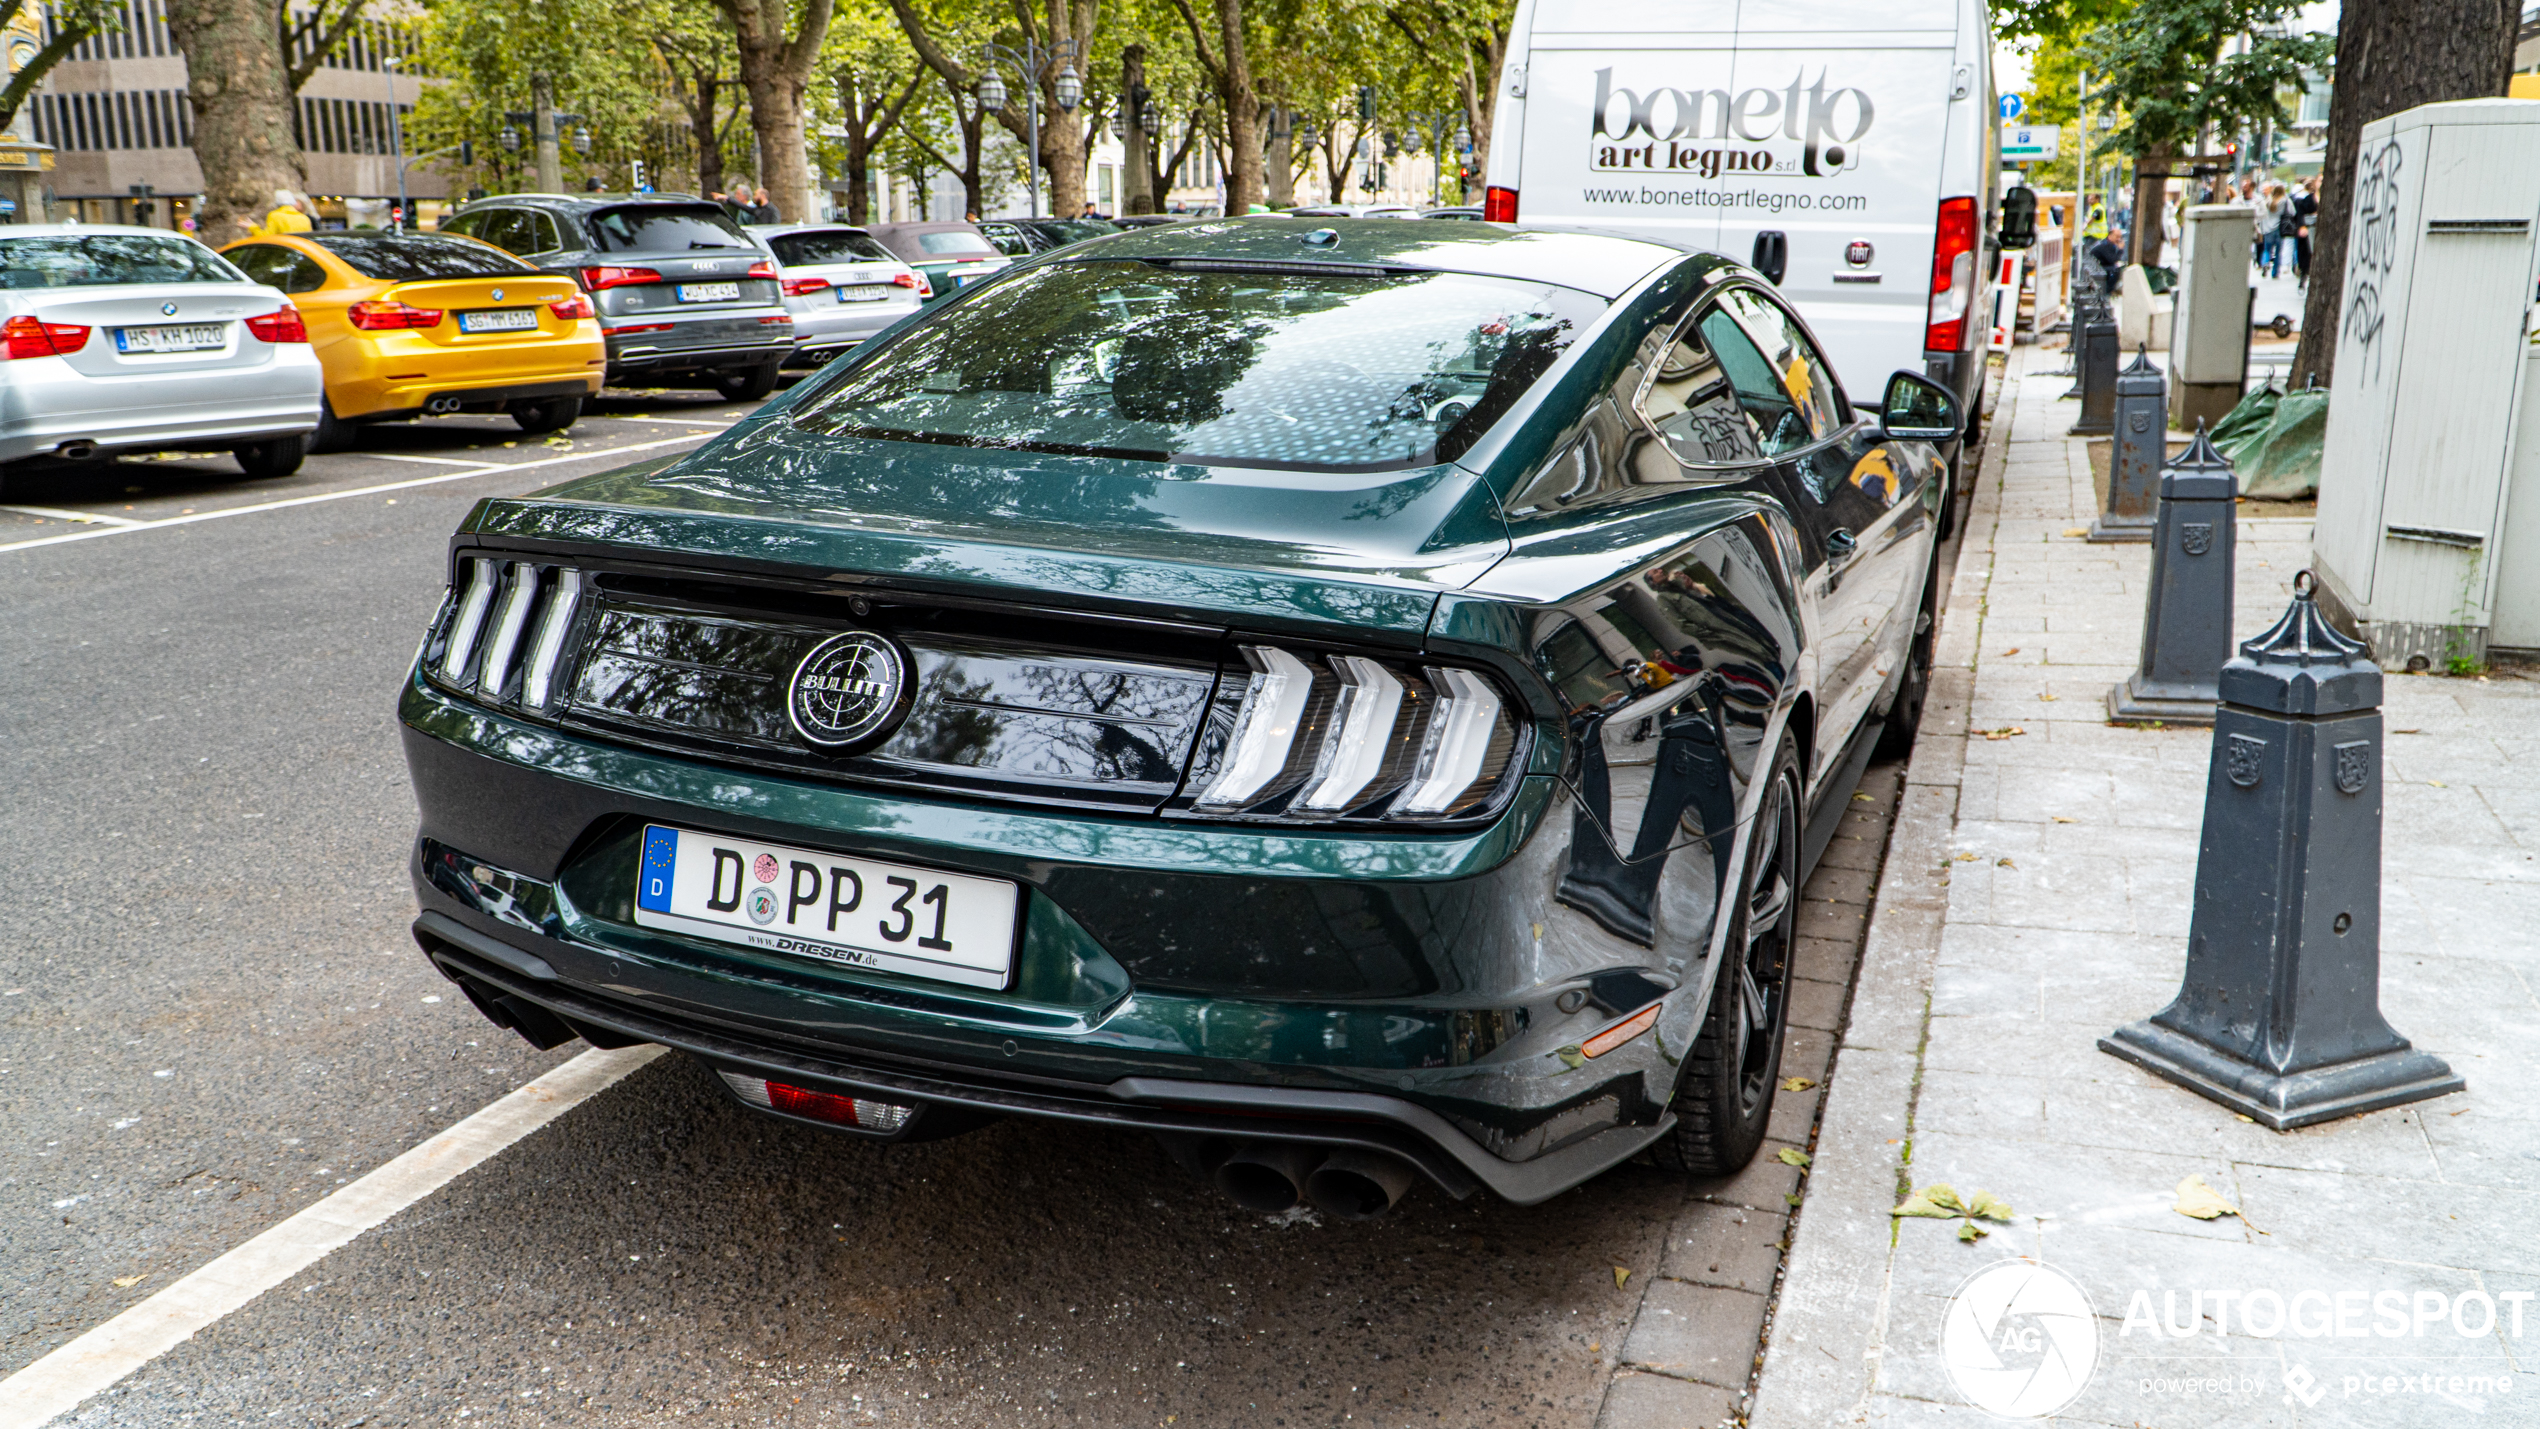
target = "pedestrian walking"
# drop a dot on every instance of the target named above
(2306, 209)
(289, 215)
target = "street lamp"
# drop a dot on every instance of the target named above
(582, 142)
(1120, 123)
(1150, 118)
(511, 140)
(1030, 63)
(396, 135)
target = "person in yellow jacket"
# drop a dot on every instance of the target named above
(287, 216)
(2097, 227)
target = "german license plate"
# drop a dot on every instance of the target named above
(499, 320)
(864, 292)
(858, 912)
(200, 337)
(709, 292)
(964, 280)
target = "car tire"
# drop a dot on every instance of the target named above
(747, 384)
(279, 457)
(1905, 712)
(553, 415)
(1724, 1092)
(333, 433)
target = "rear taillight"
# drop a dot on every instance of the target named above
(285, 326)
(797, 287)
(1348, 736)
(382, 315)
(780, 320)
(1499, 205)
(861, 1113)
(908, 280)
(608, 276)
(1953, 276)
(33, 337)
(762, 269)
(630, 329)
(572, 308)
(508, 618)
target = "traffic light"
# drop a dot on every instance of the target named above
(1366, 103)
(467, 153)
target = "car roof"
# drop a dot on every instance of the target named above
(929, 226)
(590, 201)
(782, 228)
(1606, 264)
(56, 230)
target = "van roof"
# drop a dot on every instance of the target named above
(1606, 264)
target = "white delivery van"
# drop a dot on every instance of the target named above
(1851, 141)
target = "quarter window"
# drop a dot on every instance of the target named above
(1691, 406)
(1806, 383)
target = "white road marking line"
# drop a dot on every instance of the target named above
(59, 1382)
(717, 423)
(83, 516)
(429, 460)
(91, 535)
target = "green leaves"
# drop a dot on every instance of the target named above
(2163, 64)
(1941, 1201)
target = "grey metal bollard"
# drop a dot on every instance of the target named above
(2098, 374)
(2136, 456)
(2279, 1016)
(2187, 612)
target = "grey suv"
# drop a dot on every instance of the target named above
(683, 295)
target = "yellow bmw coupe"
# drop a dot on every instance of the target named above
(413, 324)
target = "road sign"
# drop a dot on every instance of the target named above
(2027, 143)
(2013, 106)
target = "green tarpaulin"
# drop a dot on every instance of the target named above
(2272, 440)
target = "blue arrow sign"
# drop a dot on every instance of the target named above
(2012, 106)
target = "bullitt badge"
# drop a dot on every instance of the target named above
(847, 689)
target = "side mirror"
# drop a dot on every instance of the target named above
(1917, 409)
(2019, 217)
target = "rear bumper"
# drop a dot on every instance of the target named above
(425, 371)
(1452, 1161)
(456, 398)
(44, 403)
(838, 325)
(701, 342)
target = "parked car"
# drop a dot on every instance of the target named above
(1023, 237)
(406, 324)
(1867, 201)
(684, 297)
(120, 338)
(1361, 210)
(1361, 725)
(1471, 214)
(1149, 220)
(841, 286)
(950, 256)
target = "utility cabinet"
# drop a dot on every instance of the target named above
(2428, 476)
(2209, 324)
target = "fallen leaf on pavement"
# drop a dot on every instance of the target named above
(1620, 1275)
(1792, 1197)
(2050, 699)
(1793, 1156)
(1796, 1084)
(2014, 650)
(2201, 1201)
(1988, 1206)
(126, 1282)
(2061, 819)
(2007, 731)
(1971, 1233)
(2076, 530)
(1939, 1201)
(2004, 863)
(2437, 783)
(1966, 858)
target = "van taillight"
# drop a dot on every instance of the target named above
(1953, 276)
(1499, 205)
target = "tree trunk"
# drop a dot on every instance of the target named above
(1483, 62)
(242, 111)
(2151, 200)
(2391, 55)
(1137, 190)
(707, 135)
(776, 74)
(1278, 166)
(1063, 130)
(1243, 113)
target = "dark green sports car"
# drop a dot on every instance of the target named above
(1355, 701)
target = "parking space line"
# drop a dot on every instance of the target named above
(51, 513)
(430, 460)
(164, 522)
(58, 1382)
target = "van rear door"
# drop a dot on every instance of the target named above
(1610, 90)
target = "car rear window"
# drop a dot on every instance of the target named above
(837, 245)
(406, 260)
(1281, 366)
(954, 241)
(92, 260)
(662, 227)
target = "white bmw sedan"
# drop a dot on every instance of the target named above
(115, 338)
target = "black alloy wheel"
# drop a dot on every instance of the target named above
(1905, 713)
(1724, 1095)
(552, 415)
(747, 384)
(279, 457)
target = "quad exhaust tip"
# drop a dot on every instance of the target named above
(1348, 1184)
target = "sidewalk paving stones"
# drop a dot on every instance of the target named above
(2059, 855)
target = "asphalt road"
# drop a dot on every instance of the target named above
(211, 1016)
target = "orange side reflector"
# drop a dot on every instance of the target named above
(1621, 1032)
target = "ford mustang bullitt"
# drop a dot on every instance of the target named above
(1356, 700)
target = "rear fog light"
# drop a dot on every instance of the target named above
(812, 1105)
